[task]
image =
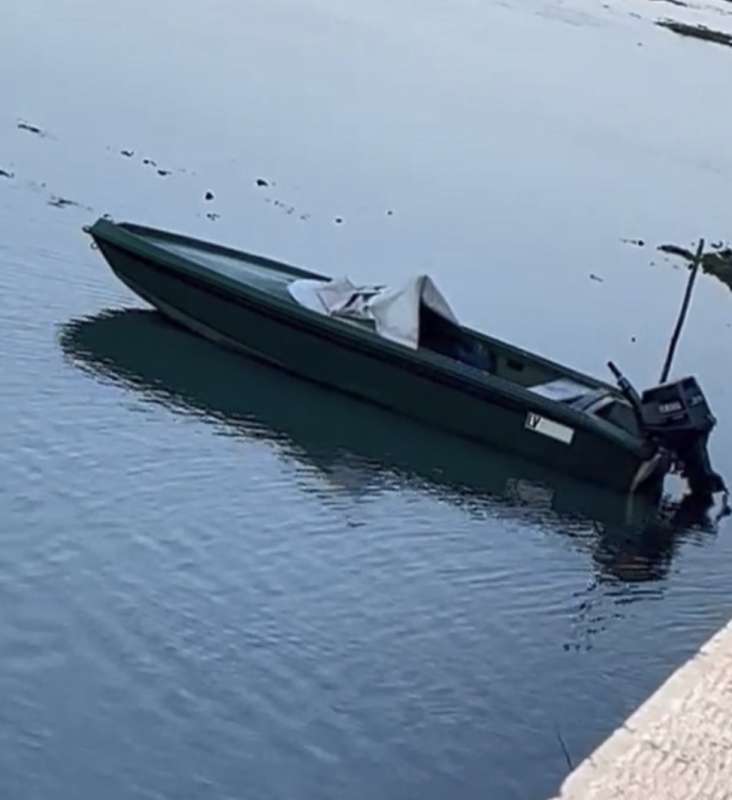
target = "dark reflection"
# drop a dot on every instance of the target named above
(363, 450)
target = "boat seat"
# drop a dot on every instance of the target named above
(577, 395)
(562, 390)
(606, 404)
(594, 401)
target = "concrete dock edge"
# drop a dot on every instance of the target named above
(676, 746)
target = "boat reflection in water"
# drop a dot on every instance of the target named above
(365, 450)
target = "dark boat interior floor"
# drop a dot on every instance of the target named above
(231, 266)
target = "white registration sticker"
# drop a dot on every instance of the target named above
(547, 427)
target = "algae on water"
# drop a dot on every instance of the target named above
(717, 262)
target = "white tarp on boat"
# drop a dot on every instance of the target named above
(394, 312)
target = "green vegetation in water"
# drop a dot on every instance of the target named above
(696, 31)
(717, 262)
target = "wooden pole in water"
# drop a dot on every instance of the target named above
(684, 308)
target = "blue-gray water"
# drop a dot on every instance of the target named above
(217, 582)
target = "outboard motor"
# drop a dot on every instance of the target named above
(678, 416)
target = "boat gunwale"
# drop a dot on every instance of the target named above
(131, 238)
(142, 231)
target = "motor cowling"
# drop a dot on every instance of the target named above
(678, 416)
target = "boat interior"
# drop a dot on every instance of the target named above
(437, 334)
(473, 350)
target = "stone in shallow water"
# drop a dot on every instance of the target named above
(61, 202)
(26, 126)
(696, 31)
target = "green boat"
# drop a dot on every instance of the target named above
(405, 351)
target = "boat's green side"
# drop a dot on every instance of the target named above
(345, 357)
(144, 241)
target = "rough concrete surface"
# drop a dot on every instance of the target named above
(676, 746)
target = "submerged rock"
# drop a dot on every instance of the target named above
(26, 126)
(696, 31)
(716, 262)
(675, 250)
(61, 202)
(212, 215)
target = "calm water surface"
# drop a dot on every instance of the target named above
(217, 582)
